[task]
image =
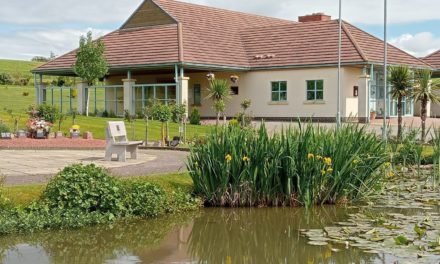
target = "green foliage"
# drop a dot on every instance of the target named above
(402, 240)
(91, 63)
(49, 113)
(161, 112)
(194, 117)
(144, 199)
(401, 80)
(408, 151)
(5, 79)
(87, 188)
(4, 128)
(218, 91)
(86, 195)
(308, 165)
(178, 112)
(246, 104)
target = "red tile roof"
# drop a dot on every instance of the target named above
(433, 59)
(209, 36)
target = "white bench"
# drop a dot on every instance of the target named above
(117, 142)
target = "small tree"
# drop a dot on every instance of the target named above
(400, 79)
(179, 111)
(425, 91)
(162, 113)
(130, 119)
(61, 118)
(146, 115)
(91, 63)
(245, 119)
(218, 92)
(15, 117)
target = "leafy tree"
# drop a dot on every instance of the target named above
(400, 79)
(162, 113)
(425, 91)
(218, 92)
(146, 115)
(91, 63)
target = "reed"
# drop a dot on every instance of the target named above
(306, 165)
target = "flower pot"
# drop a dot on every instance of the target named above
(372, 115)
(87, 135)
(59, 134)
(74, 134)
(21, 134)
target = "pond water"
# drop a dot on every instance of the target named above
(260, 235)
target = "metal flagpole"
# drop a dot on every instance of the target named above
(385, 75)
(338, 113)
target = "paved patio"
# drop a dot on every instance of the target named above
(38, 166)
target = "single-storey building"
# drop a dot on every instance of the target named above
(166, 49)
(433, 59)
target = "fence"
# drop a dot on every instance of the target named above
(143, 93)
(63, 97)
(106, 100)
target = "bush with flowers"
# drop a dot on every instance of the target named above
(302, 166)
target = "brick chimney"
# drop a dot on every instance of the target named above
(314, 17)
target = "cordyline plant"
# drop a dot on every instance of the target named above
(401, 81)
(219, 93)
(91, 63)
(304, 166)
(425, 90)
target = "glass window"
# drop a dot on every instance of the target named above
(279, 91)
(315, 90)
(197, 94)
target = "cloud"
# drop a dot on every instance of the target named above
(419, 45)
(355, 11)
(117, 11)
(27, 44)
(66, 11)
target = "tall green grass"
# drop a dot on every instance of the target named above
(302, 166)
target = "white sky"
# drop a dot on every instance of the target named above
(29, 28)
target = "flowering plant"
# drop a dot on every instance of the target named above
(38, 128)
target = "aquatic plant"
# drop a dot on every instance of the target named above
(299, 166)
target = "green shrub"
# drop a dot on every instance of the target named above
(145, 199)
(408, 151)
(178, 112)
(6, 79)
(86, 195)
(304, 166)
(4, 128)
(48, 112)
(86, 188)
(194, 117)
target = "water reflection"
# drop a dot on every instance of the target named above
(264, 235)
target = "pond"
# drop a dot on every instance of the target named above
(262, 235)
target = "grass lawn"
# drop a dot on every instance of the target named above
(11, 97)
(16, 66)
(22, 195)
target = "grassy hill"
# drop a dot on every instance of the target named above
(15, 66)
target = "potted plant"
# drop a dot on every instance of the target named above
(74, 131)
(373, 115)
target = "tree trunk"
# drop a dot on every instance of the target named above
(423, 116)
(146, 133)
(218, 119)
(399, 117)
(163, 134)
